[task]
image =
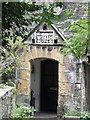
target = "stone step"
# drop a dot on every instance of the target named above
(44, 116)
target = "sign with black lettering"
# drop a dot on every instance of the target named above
(44, 37)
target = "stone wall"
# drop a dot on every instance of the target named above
(71, 89)
(71, 86)
(23, 79)
(6, 102)
(74, 96)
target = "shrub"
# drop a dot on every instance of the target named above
(22, 112)
(85, 116)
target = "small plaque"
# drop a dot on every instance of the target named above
(44, 37)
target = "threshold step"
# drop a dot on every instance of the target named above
(45, 116)
(44, 119)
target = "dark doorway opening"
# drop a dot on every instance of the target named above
(49, 86)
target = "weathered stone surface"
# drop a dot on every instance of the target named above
(69, 76)
(24, 87)
(71, 88)
(7, 99)
(25, 74)
(23, 99)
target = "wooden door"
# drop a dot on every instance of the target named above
(49, 86)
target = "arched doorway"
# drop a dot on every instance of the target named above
(44, 84)
(49, 86)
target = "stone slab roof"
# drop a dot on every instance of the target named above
(79, 10)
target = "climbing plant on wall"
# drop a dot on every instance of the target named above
(78, 29)
(78, 43)
(9, 56)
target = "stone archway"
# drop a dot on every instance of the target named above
(51, 53)
(68, 85)
(42, 52)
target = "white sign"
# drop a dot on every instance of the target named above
(44, 37)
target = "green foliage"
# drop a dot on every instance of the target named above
(15, 11)
(73, 113)
(11, 61)
(18, 15)
(49, 14)
(85, 116)
(14, 91)
(22, 112)
(68, 13)
(2, 86)
(78, 42)
(5, 85)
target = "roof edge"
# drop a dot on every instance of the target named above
(52, 25)
(58, 32)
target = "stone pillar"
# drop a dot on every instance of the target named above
(71, 87)
(61, 90)
(23, 79)
(79, 95)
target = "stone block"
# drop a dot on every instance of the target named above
(54, 53)
(43, 52)
(71, 76)
(24, 87)
(25, 74)
(27, 56)
(38, 52)
(62, 67)
(65, 59)
(25, 65)
(6, 103)
(33, 52)
(62, 77)
(77, 93)
(23, 99)
(60, 58)
(64, 88)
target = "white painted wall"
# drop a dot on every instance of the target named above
(35, 83)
